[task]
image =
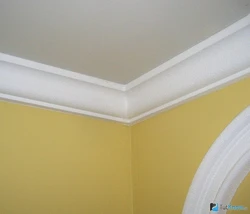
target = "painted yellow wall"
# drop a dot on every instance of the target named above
(57, 163)
(168, 148)
(242, 197)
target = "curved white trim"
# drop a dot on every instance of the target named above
(223, 168)
(217, 61)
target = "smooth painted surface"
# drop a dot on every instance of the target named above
(224, 167)
(112, 40)
(212, 64)
(57, 163)
(192, 77)
(27, 85)
(168, 148)
(241, 197)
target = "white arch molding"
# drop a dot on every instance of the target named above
(223, 168)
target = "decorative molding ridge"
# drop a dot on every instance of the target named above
(223, 168)
(61, 72)
(222, 63)
(192, 95)
(35, 87)
(213, 63)
(237, 26)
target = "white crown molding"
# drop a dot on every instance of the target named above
(60, 72)
(213, 63)
(223, 168)
(190, 96)
(35, 87)
(192, 51)
(225, 61)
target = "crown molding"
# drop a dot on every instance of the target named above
(190, 96)
(61, 72)
(237, 26)
(50, 90)
(222, 63)
(219, 60)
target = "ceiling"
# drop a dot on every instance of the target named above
(111, 39)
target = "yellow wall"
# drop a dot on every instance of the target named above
(168, 148)
(57, 163)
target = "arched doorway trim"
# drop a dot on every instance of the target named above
(223, 168)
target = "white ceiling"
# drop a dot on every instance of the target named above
(111, 39)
